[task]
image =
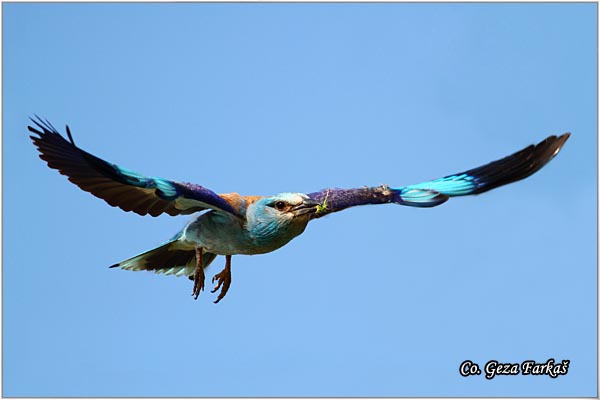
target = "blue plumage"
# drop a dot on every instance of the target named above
(418, 197)
(118, 186)
(234, 224)
(509, 169)
(454, 185)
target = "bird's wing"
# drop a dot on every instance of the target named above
(120, 187)
(509, 169)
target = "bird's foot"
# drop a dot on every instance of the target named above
(198, 274)
(223, 279)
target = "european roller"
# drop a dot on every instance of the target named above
(230, 224)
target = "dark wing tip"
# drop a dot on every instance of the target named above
(562, 139)
(44, 127)
(554, 145)
(114, 265)
(70, 136)
(519, 165)
(40, 124)
(33, 130)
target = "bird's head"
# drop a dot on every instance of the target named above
(280, 218)
(287, 208)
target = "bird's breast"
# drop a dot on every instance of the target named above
(225, 235)
(267, 238)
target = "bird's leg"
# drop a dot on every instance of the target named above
(198, 274)
(224, 278)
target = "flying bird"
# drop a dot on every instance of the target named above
(230, 224)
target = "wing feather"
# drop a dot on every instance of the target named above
(118, 186)
(497, 173)
(477, 180)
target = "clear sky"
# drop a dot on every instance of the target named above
(268, 98)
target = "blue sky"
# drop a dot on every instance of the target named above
(268, 98)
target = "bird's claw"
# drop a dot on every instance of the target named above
(223, 279)
(198, 283)
(198, 275)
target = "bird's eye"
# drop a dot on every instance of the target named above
(280, 206)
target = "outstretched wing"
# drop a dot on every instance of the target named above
(509, 169)
(117, 186)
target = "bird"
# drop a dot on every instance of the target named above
(231, 224)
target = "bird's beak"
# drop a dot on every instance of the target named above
(308, 206)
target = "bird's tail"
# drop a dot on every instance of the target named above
(171, 258)
(509, 169)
